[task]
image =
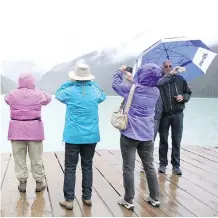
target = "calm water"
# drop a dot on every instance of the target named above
(200, 124)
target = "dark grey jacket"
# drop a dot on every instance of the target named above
(158, 109)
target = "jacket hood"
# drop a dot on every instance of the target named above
(26, 80)
(148, 75)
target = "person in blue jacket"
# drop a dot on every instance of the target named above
(81, 131)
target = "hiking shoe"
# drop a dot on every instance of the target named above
(40, 186)
(22, 186)
(67, 204)
(127, 205)
(87, 202)
(142, 169)
(177, 171)
(162, 169)
(154, 203)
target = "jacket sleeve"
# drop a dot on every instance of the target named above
(158, 108)
(100, 93)
(118, 86)
(164, 80)
(8, 98)
(186, 92)
(62, 94)
(46, 98)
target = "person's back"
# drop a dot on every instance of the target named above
(81, 132)
(82, 122)
(139, 133)
(26, 129)
(141, 113)
(142, 110)
(25, 105)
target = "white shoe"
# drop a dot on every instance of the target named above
(127, 205)
(153, 202)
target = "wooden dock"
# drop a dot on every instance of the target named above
(193, 194)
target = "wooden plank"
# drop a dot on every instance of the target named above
(168, 205)
(114, 176)
(211, 167)
(55, 181)
(196, 184)
(209, 151)
(98, 208)
(5, 158)
(201, 154)
(187, 194)
(186, 164)
(35, 204)
(194, 177)
(198, 163)
(212, 149)
(108, 195)
(11, 199)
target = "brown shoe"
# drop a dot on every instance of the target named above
(87, 202)
(40, 186)
(67, 204)
(22, 186)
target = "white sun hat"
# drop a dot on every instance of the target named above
(82, 72)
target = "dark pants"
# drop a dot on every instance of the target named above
(174, 121)
(145, 151)
(72, 152)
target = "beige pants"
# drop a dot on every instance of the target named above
(35, 150)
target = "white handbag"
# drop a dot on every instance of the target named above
(119, 119)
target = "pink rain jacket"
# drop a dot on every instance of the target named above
(25, 106)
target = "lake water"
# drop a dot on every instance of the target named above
(200, 124)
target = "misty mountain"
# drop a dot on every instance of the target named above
(7, 85)
(13, 68)
(103, 67)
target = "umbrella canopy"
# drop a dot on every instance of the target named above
(192, 54)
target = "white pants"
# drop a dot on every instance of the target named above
(35, 151)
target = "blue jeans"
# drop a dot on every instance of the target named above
(72, 152)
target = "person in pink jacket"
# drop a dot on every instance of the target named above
(26, 130)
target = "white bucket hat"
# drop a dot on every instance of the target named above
(81, 72)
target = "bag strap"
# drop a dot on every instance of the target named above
(129, 100)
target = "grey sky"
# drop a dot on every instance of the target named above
(53, 31)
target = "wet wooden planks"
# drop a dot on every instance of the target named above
(99, 208)
(185, 192)
(11, 199)
(5, 158)
(193, 194)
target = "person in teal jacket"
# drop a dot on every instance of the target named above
(81, 131)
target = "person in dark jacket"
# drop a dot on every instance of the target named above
(175, 92)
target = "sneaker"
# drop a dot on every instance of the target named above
(127, 205)
(22, 186)
(154, 203)
(142, 169)
(87, 202)
(177, 171)
(162, 169)
(40, 186)
(67, 204)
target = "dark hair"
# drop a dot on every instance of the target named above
(129, 69)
